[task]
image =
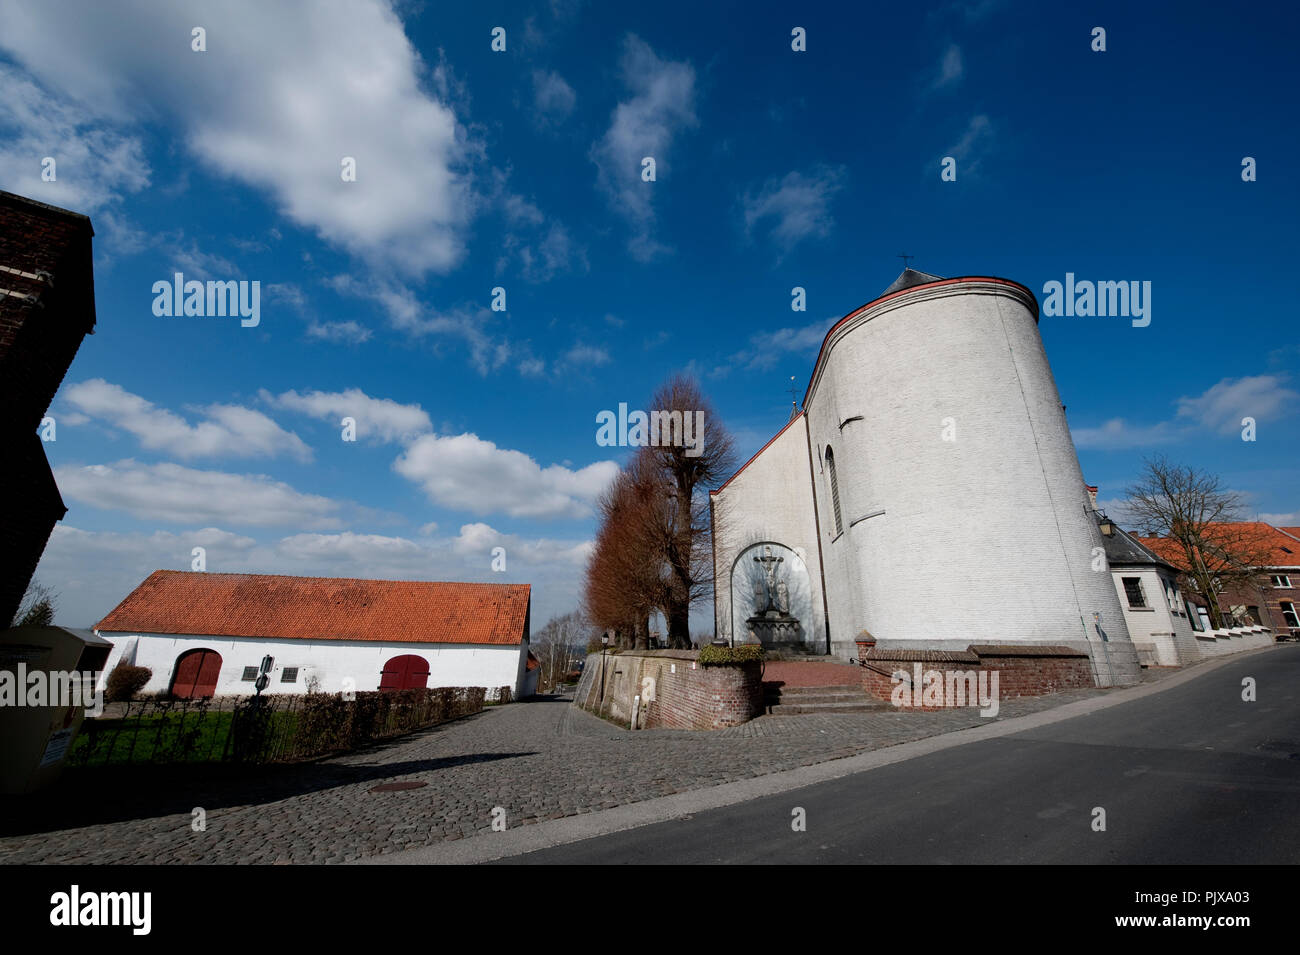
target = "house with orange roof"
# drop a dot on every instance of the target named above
(1272, 599)
(207, 635)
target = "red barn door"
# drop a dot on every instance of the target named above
(196, 674)
(407, 672)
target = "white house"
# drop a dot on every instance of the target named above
(928, 492)
(1162, 625)
(207, 634)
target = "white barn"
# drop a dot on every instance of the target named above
(928, 492)
(206, 634)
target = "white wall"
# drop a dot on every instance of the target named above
(330, 661)
(984, 539)
(1164, 637)
(769, 501)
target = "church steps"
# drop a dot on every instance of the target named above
(838, 698)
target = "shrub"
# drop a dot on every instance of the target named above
(711, 656)
(125, 682)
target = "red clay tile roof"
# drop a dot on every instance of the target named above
(323, 608)
(1284, 551)
(1293, 531)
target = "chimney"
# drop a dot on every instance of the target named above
(1092, 495)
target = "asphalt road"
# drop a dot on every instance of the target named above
(1191, 775)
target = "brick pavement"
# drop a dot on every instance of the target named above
(536, 760)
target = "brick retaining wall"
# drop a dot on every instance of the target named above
(684, 694)
(1022, 670)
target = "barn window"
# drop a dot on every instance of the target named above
(289, 675)
(1280, 580)
(1133, 589)
(250, 674)
(835, 490)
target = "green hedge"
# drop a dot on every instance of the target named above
(711, 656)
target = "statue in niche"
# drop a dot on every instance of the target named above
(782, 596)
(768, 563)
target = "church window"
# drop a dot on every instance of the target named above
(835, 491)
(1133, 589)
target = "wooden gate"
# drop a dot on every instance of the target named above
(196, 674)
(407, 672)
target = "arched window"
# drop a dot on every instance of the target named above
(835, 490)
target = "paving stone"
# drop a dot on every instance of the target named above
(536, 760)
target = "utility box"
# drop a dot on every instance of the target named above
(47, 681)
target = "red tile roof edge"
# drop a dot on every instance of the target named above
(276, 606)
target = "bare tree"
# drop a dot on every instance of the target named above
(1202, 518)
(37, 607)
(687, 472)
(559, 646)
(653, 550)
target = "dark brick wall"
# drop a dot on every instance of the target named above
(45, 258)
(707, 698)
(1022, 671)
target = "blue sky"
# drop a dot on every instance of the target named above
(521, 169)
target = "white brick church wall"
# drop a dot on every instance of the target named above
(770, 500)
(983, 539)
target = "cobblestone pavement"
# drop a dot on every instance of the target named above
(535, 760)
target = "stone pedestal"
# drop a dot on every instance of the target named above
(774, 628)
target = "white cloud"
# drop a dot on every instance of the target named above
(93, 571)
(283, 93)
(661, 106)
(174, 494)
(474, 475)
(797, 206)
(973, 146)
(951, 68)
(1118, 433)
(766, 348)
(467, 323)
(95, 165)
(343, 333)
(1221, 407)
(553, 98)
(1291, 519)
(378, 419)
(582, 356)
(229, 430)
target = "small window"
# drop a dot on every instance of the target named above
(1133, 589)
(835, 491)
(1252, 614)
(1281, 580)
(1192, 616)
(1288, 611)
(289, 675)
(250, 674)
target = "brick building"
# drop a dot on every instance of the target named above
(1273, 597)
(47, 306)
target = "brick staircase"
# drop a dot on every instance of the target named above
(782, 700)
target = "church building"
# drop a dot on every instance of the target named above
(927, 494)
